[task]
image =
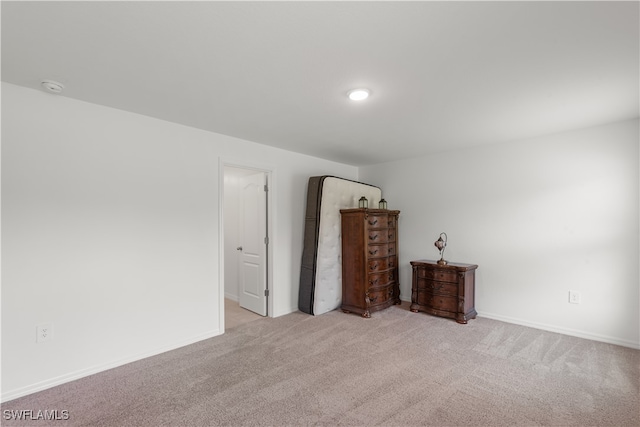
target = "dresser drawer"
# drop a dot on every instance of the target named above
(437, 274)
(392, 221)
(378, 264)
(377, 221)
(438, 287)
(380, 296)
(377, 251)
(392, 248)
(392, 261)
(377, 236)
(381, 279)
(378, 279)
(391, 235)
(438, 302)
(392, 274)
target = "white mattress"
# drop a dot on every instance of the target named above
(337, 193)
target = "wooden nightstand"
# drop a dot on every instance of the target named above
(444, 290)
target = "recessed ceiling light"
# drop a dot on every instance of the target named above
(358, 94)
(51, 86)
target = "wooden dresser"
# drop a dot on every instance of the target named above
(369, 260)
(444, 290)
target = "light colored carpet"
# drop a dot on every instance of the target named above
(396, 369)
(234, 315)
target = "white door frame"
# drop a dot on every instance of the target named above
(269, 171)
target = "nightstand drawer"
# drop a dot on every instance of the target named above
(440, 275)
(438, 302)
(438, 287)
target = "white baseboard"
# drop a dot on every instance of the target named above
(284, 312)
(71, 376)
(558, 329)
(561, 330)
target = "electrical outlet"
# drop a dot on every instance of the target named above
(574, 297)
(44, 332)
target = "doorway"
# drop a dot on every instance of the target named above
(246, 253)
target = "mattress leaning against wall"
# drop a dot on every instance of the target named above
(321, 273)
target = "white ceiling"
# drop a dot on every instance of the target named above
(443, 75)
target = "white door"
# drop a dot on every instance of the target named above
(253, 243)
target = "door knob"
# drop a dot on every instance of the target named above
(239, 248)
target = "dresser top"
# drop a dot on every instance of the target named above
(369, 211)
(449, 265)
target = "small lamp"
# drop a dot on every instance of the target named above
(382, 204)
(363, 202)
(441, 244)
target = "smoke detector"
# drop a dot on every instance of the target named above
(51, 86)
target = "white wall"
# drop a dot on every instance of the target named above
(540, 217)
(110, 231)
